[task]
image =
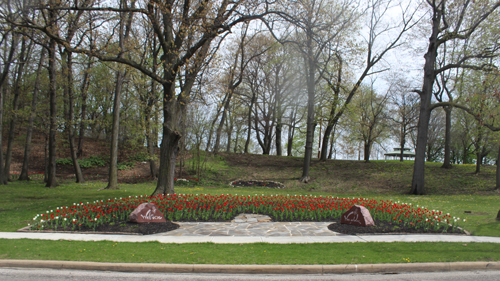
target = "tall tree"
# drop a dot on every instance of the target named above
(368, 115)
(185, 31)
(233, 78)
(450, 20)
(24, 54)
(404, 113)
(483, 104)
(52, 26)
(314, 26)
(24, 175)
(124, 30)
(7, 60)
(374, 52)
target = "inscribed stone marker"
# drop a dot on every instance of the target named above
(145, 213)
(357, 215)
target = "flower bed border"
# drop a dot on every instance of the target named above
(280, 185)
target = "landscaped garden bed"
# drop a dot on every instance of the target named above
(103, 215)
(256, 183)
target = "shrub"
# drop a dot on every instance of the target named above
(140, 157)
(91, 162)
(125, 165)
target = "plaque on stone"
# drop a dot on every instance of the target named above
(357, 215)
(146, 213)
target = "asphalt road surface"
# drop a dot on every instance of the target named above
(7, 274)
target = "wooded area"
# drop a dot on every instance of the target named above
(309, 78)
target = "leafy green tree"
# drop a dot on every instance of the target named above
(367, 117)
(450, 21)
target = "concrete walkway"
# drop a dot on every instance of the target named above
(248, 239)
(249, 228)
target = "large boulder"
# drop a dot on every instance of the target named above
(357, 215)
(146, 213)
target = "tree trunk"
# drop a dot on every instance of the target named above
(209, 141)
(333, 117)
(27, 148)
(229, 134)
(330, 154)
(291, 132)
(113, 159)
(222, 120)
(84, 88)
(279, 127)
(2, 177)
(210, 133)
(3, 78)
(277, 115)
(249, 124)
(402, 143)
(367, 151)
(418, 181)
(168, 154)
(23, 57)
(479, 161)
(235, 149)
(151, 148)
(51, 174)
(68, 72)
(125, 26)
(498, 171)
(464, 155)
(311, 68)
(447, 139)
(289, 144)
(326, 139)
(169, 149)
(150, 134)
(46, 159)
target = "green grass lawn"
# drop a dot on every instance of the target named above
(20, 202)
(258, 253)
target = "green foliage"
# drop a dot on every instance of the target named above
(64, 161)
(125, 165)
(140, 157)
(91, 162)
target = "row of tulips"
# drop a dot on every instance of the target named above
(206, 207)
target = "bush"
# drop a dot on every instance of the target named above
(140, 157)
(125, 165)
(64, 161)
(91, 162)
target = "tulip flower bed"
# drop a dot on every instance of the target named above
(206, 207)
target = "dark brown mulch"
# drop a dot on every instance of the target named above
(130, 227)
(252, 183)
(385, 227)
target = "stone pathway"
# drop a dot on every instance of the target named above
(252, 225)
(249, 228)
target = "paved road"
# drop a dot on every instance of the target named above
(21, 274)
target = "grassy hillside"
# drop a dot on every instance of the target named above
(345, 176)
(332, 176)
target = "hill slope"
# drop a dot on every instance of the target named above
(344, 176)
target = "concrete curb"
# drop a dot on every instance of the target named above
(254, 269)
